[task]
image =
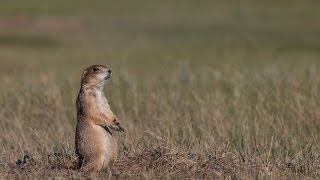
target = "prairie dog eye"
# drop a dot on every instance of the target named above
(96, 69)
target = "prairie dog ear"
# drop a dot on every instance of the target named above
(84, 73)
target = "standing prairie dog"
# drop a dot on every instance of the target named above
(96, 146)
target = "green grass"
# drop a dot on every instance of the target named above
(226, 90)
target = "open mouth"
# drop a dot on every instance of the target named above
(107, 129)
(108, 77)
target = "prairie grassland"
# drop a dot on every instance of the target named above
(212, 91)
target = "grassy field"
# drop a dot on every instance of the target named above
(226, 90)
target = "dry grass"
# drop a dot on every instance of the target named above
(232, 94)
(243, 125)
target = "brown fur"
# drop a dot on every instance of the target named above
(96, 146)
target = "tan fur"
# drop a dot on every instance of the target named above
(96, 146)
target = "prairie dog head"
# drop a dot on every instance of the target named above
(96, 76)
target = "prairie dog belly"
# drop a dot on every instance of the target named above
(108, 146)
(102, 102)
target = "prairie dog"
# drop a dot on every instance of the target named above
(96, 146)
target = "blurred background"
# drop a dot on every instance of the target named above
(144, 35)
(232, 79)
